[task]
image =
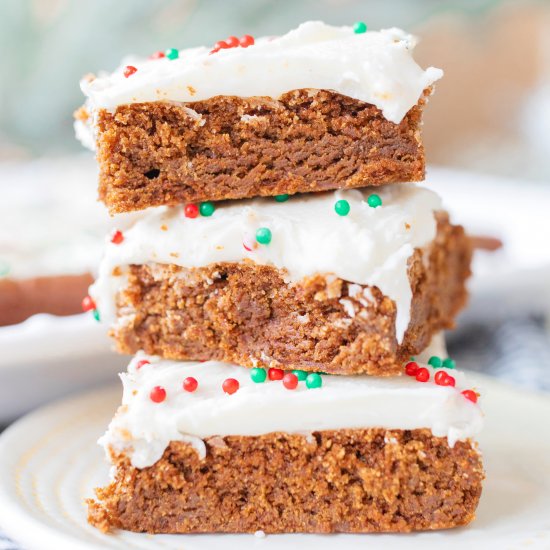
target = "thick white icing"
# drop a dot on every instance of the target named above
(376, 67)
(144, 429)
(370, 246)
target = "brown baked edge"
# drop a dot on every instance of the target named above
(166, 153)
(57, 295)
(350, 481)
(247, 314)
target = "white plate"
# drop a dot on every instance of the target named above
(49, 463)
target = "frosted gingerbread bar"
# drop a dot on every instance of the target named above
(319, 108)
(211, 447)
(347, 282)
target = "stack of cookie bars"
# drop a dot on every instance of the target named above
(282, 288)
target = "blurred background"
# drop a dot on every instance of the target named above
(487, 138)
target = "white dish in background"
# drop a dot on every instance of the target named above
(514, 280)
(50, 462)
(47, 357)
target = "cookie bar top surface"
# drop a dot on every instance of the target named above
(374, 67)
(144, 427)
(367, 246)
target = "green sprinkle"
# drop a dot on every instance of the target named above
(207, 208)
(281, 198)
(359, 27)
(258, 375)
(300, 374)
(172, 53)
(435, 361)
(4, 268)
(263, 235)
(412, 358)
(374, 201)
(448, 363)
(95, 313)
(342, 207)
(314, 380)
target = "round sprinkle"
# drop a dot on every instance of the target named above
(96, 315)
(281, 198)
(359, 27)
(157, 55)
(191, 210)
(471, 395)
(300, 374)
(314, 380)
(342, 207)
(142, 363)
(441, 378)
(232, 41)
(207, 208)
(190, 384)
(263, 235)
(448, 363)
(435, 362)
(451, 381)
(411, 368)
(275, 374)
(230, 385)
(374, 201)
(129, 70)
(246, 41)
(422, 375)
(88, 304)
(117, 237)
(158, 394)
(258, 375)
(172, 53)
(290, 381)
(221, 45)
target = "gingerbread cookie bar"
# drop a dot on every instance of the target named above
(211, 447)
(344, 282)
(319, 108)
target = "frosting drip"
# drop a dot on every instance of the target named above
(375, 67)
(369, 246)
(144, 428)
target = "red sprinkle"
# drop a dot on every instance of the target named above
(230, 385)
(117, 237)
(275, 374)
(422, 375)
(411, 368)
(158, 394)
(246, 41)
(129, 71)
(441, 378)
(191, 210)
(88, 304)
(232, 41)
(221, 45)
(190, 384)
(157, 55)
(451, 381)
(471, 395)
(142, 363)
(290, 381)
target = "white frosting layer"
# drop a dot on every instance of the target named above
(376, 67)
(370, 246)
(144, 428)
